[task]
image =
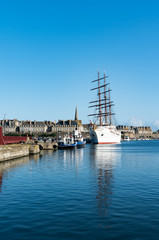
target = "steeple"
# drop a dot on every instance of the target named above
(76, 115)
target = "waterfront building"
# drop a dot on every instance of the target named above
(40, 127)
(24, 127)
(9, 126)
(143, 132)
(33, 127)
(156, 134)
(15, 126)
(136, 132)
(68, 126)
(126, 131)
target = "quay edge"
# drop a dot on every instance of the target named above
(9, 152)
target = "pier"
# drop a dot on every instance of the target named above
(8, 152)
(12, 147)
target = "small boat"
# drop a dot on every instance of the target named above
(126, 138)
(78, 138)
(67, 143)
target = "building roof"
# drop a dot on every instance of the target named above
(66, 123)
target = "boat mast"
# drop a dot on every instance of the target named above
(103, 104)
(100, 116)
(110, 109)
(105, 97)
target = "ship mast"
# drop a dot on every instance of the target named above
(110, 109)
(103, 101)
(105, 97)
(100, 115)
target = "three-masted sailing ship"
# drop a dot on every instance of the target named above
(104, 132)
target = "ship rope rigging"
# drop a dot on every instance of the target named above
(103, 105)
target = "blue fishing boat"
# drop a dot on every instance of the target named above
(81, 144)
(78, 138)
(67, 143)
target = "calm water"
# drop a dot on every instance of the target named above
(99, 192)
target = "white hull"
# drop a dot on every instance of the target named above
(127, 139)
(105, 135)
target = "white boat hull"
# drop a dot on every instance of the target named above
(105, 135)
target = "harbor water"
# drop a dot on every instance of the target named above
(96, 192)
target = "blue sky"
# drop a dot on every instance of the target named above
(50, 51)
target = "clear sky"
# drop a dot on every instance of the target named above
(50, 51)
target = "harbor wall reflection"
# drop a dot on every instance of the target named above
(104, 158)
(34, 157)
(9, 166)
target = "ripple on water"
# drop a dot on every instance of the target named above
(99, 192)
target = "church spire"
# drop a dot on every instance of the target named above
(76, 115)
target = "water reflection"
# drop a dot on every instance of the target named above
(34, 157)
(103, 160)
(72, 158)
(1, 181)
(11, 164)
(105, 156)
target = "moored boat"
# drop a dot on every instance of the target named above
(67, 142)
(104, 132)
(126, 138)
(78, 138)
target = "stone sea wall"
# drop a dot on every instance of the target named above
(8, 152)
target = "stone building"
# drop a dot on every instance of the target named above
(39, 127)
(156, 134)
(9, 126)
(143, 132)
(33, 127)
(68, 126)
(126, 131)
(135, 132)
(22, 127)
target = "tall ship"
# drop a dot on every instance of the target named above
(103, 132)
